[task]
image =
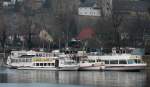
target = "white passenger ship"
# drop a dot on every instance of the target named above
(120, 61)
(62, 61)
(40, 60)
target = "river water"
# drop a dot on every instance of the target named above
(39, 78)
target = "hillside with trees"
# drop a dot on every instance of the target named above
(21, 24)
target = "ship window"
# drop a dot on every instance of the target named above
(37, 64)
(117, 51)
(45, 64)
(20, 60)
(124, 51)
(12, 60)
(131, 61)
(138, 61)
(53, 64)
(16, 60)
(40, 55)
(23, 60)
(113, 61)
(47, 55)
(12, 54)
(37, 55)
(28, 60)
(106, 61)
(41, 64)
(91, 61)
(122, 62)
(49, 64)
(98, 60)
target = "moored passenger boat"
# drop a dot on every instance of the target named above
(39, 60)
(126, 62)
(121, 61)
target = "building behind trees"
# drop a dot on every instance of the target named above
(61, 19)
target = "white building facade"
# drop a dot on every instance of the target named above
(10, 2)
(96, 8)
(89, 11)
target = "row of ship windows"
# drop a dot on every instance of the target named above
(93, 61)
(38, 54)
(134, 61)
(44, 64)
(45, 55)
(115, 62)
(21, 60)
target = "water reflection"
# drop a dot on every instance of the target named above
(148, 78)
(89, 78)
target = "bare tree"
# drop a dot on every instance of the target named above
(109, 21)
(3, 31)
(65, 18)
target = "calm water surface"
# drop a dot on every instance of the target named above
(39, 78)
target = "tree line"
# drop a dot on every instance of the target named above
(21, 25)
